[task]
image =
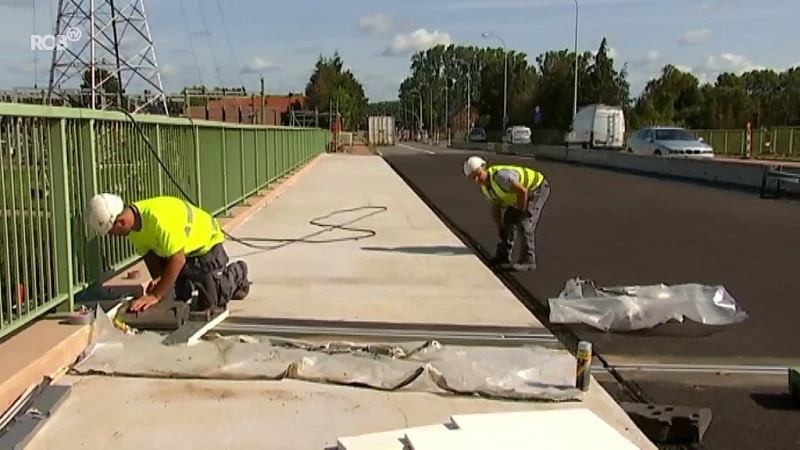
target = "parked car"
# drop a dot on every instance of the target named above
(598, 126)
(674, 142)
(476, 135)
(517, 135)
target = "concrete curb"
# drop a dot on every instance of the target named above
(47, 346)
(745, 174)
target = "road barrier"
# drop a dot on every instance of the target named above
(54, 159)
(741, 174)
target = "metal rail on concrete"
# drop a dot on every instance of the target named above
(471, 336)
(702, 368)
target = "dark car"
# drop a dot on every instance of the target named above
(476, 135)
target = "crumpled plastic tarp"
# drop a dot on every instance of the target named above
(523, 373)
(630, 308)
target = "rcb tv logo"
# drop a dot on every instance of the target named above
(49, 42)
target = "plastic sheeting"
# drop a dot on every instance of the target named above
(523, 373)
(640, 307)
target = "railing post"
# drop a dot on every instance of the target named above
(160, 156)
(257, 139)
(62, 214)
(224, 172)
(242, 160)
(196, 141)
(88, 155)
(725, 143)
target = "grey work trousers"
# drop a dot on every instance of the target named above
(214, 278)
(509, 227)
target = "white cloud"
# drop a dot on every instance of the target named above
(375, 24)
(421, 39)
(726, 62)
(258, 65)
(694, 36)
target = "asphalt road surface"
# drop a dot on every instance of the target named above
(619, 229)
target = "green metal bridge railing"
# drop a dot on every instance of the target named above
(54, 159)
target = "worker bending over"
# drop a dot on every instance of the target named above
(517, 195)
(181, 245)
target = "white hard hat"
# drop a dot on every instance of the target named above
(472, 164)
(102, 211)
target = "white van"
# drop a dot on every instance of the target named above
(517, 135)
(598, 126)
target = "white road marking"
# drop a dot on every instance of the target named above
(428, 152)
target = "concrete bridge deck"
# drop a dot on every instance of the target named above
(412, 272)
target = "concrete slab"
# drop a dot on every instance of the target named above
(414, 270)
(294, 415)
(40, 350)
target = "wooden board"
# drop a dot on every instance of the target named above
(386, 440)
(191, 332)
(561, 428)
(481, 439)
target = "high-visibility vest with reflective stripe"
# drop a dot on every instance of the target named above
(528, 178)
(170, 224)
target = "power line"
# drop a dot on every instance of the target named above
(191, 42)
(230, 44)
(210, 43)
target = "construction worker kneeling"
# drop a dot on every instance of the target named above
(517, 195)
(181, 246)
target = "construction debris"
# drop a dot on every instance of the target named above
(524, 373)
(629, 308)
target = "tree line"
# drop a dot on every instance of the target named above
(442, 76)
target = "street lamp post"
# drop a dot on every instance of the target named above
(419, 92)
(575, 86)
(447, 108)
(505, 76)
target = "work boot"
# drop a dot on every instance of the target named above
(500, 260)
(243, 290)
(524, 265)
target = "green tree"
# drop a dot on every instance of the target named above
(446, 75)
(332, 88)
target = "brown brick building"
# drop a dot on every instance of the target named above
(461, 120)
(248, 109)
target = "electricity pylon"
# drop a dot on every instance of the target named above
(108, 44)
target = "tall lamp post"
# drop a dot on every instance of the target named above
(469, 91)
(505, 76)
(419, 92)
(575, 87)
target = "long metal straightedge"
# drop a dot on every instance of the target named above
(387, 332)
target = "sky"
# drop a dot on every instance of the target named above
(281, 40)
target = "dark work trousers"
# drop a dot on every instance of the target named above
(509, 228)
(216, 281)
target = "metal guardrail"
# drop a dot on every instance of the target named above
(346, 138)
(52, 160)
(775, 143)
